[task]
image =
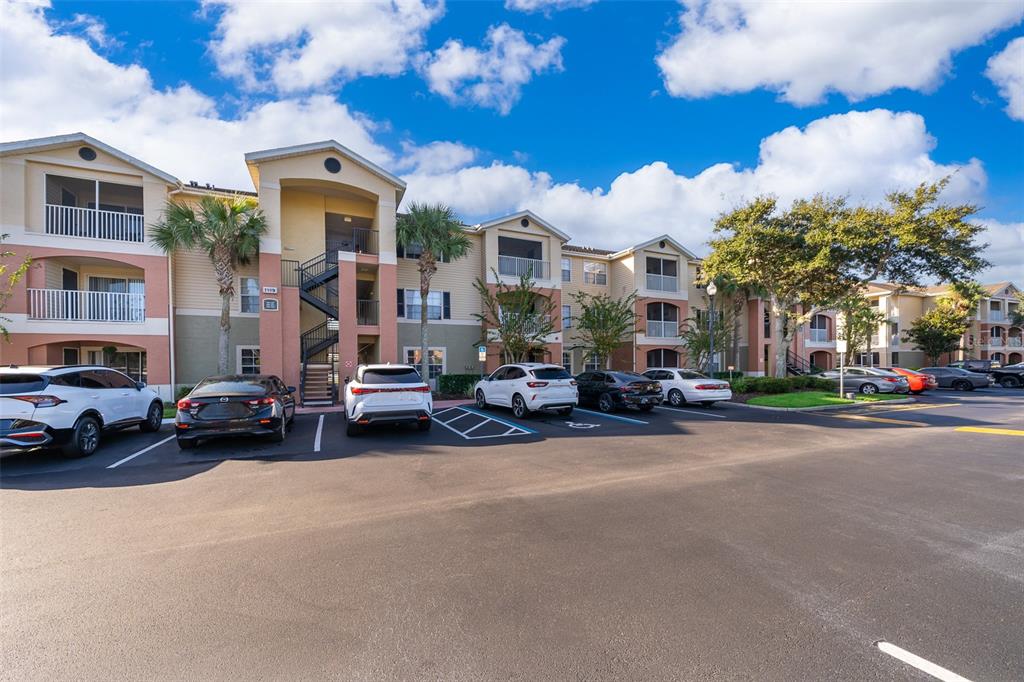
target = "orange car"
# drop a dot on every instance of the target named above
(918, 381)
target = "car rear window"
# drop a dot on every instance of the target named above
(215, 387)
(551, 373)
(21, 383)
(397, 375)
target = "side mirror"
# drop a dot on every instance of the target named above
(139, 385)
(291, 389)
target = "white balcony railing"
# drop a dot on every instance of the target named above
(894, 340)
(657, 329)
(514, 266)
(819, 335)
(662, 283)
(71, 221)
(85, 306)
(996, 316)
(1014, 342)
(995, 341)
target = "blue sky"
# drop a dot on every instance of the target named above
(624, 92)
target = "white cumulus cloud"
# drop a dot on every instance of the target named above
(302, 45)
(1006, 70)
(545, 5)
(492, 77)
(804, 50)
(1005, 251)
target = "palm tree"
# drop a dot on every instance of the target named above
(229, 231)
(437, 233)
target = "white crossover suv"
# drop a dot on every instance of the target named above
(681, 386)
(387, 394)
(528, 387)
(69, 407)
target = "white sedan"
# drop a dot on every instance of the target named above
(681, 386)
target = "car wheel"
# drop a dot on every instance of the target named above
(519, 408)
(676, 397)
(868, 388)
(424, 425)
(1009, 382)
(291, 421)
(605, 403)
(481, 401)
(278, 435)
(564, 412)
(961, 385)
(85, 438)
(187, 444)
(352, 429)
(154, 418)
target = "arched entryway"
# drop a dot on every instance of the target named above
(821, 359)
(999, 357)
(1014, 358)
(662, 357)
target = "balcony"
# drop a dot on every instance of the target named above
(819, 335)
(658, 329)
(996, 316)
(1014, 342)
(367, 312)
(354, 240)
(85, 306)
(894, 340)
(995, 341)
(91, 223)
(662, 283)
(514, 266)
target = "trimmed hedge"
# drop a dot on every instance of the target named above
(457, 384)
(776, 385)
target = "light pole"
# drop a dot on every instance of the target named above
(712, 290)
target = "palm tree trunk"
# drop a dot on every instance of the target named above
(425, 274)
(225, 281)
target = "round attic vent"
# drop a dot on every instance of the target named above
(662, 243)
(87, 153)
(332, 164)
(524, 222)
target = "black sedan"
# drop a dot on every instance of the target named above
(958, 379)
(610, 390)
(235, 405)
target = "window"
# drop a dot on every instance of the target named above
(819, 328)
(592, 363)
(567, 361)
(70, 356)
(413, 251)
(662, 357)
(117, 380)
(397, 375)
(514, 373)
(767, 325)
(872, 360)
(249, 292)
(92, 379)
(117, 308)
(662, 321)
(595, 273)
(566, 270)
(662, 274)
(21, 383)
(435, 360)
(132, 362)
(439, 304)
(895, 359)
(566, 317)
(550, 373)
(248, 360)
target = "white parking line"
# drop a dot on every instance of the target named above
(140, 452)
(703, 414)
(926, 666)
(629, 420)
(514, 430)
(319, 432)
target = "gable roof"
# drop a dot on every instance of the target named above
(252, 158)
(676, 245)
(523, 214)
(58, 141)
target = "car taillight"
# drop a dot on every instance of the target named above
(359, 390)
(420, 389)
(708, 387)
(40, 400)
(260, 401)
(536, 384)
(892, 380)
(184, 404)
(364, 391)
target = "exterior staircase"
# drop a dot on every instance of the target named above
(798, 366)
(319, 346)
(318, 384)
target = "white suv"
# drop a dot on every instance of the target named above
(69, 407)
(527, 387)
(387, 394)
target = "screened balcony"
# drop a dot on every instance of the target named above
(519, 257)
(77, 207)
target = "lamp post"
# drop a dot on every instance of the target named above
(712, 290)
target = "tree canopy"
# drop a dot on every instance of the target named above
(516, 315)
(604, 322)
(941, 329)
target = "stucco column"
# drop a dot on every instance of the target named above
(387, 306)
(291, 328)
(271, 326)
(348, 335)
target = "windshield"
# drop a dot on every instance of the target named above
(21, 383)
(209, 387)
(391, 375)
(551, 373)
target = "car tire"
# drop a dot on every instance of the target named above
(868, 388)
(291, 421)
(1009, 382)
(85, 438)
(352, 429)
(564, 412)
(187, 444)
(154, 418)
(605, 403)
(519, 408)
(676, 398)
(424, 425)
(918, 392)
(481, 400)
(278, 435)
(961, 385)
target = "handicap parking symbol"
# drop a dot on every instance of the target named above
(581, 425)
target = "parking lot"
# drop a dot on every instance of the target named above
(694, 542)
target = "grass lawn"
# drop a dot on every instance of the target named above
(816, 399)
(170, 411)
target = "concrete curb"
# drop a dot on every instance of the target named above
(825, 408)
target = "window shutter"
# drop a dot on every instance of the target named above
(401, 302)
(400, 253)
(447, 305)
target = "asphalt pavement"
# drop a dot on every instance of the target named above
(726, 543)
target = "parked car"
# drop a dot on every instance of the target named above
(984, 366)
(610, 390)
(869, 380)
(919, 382)
(681, 386)
(387, 394)
(70, 406)
(528, 387)
(235, 405)
(1009, 376)
(959, 379)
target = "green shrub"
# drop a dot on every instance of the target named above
(740, 384)
(181, 391)
(457, 384)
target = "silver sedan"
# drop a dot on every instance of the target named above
(869, 380)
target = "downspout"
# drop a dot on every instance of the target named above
(170, 311)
